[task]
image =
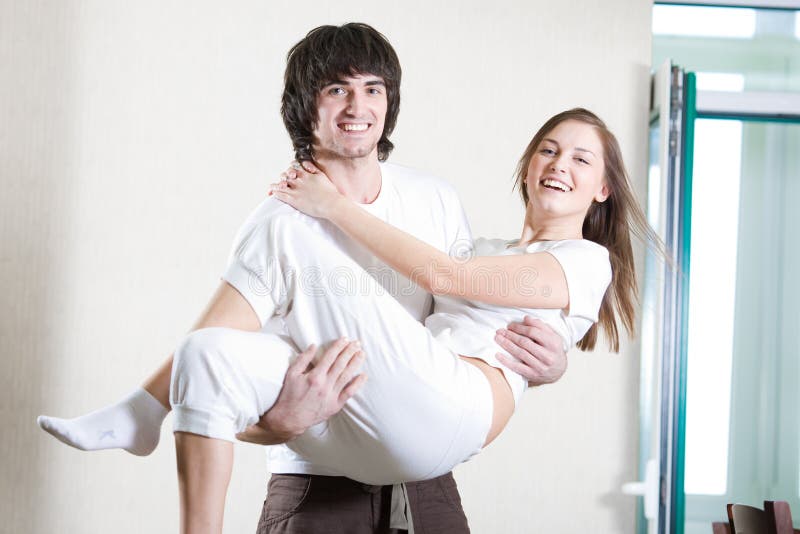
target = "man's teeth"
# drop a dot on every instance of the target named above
(354, 127)
(555, 184)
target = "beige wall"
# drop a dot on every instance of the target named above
(134, 138)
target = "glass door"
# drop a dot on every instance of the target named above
(741, 401)
(720, 408)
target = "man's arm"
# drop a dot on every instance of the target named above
(537, 351)
(310, 393)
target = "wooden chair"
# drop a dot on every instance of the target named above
(718, 527)
(779, 517)
(775, 518)
(747, 519)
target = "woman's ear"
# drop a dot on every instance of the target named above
(603, 194)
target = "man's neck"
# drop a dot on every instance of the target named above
(359, 179)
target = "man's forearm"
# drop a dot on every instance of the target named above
(272, 429)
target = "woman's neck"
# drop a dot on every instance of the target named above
(550, 230)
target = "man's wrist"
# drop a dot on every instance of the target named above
(278, 424)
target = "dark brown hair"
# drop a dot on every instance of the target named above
(609, 223)
(324, 55)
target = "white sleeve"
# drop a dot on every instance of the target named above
(588, 272)
(457, 230)
(457, 235)
(252, 268)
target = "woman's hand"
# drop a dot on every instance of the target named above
(307, 189)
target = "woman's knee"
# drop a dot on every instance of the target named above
(202, 358)
(200, 345)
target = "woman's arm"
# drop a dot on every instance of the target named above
(524, 280)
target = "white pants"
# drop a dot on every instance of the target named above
(422, 411)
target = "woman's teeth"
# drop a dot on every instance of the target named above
(555, 184)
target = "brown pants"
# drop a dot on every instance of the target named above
(312, 504)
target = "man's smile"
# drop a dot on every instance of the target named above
(354, 126)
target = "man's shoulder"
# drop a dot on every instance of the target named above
(269, 208)
(268, 213)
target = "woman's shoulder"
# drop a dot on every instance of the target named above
(484, 246)
(571, 244)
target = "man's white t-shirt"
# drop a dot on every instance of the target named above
(419, 204)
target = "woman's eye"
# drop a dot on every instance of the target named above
(547, 151)
(581, 160)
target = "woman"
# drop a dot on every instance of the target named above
(572, 266)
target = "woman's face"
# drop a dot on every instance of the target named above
(567, 172)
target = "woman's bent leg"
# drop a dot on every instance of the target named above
(222, 381)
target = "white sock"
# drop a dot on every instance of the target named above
(133, 424)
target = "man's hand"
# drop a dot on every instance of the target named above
(537, 351)
(311, 393)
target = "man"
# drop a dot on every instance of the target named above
(340, 105)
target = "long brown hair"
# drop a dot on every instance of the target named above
(609, 223)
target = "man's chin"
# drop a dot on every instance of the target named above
(349, 153)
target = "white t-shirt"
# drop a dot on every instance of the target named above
(419, 204)
(468, 327)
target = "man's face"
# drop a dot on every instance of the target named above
(352, 112)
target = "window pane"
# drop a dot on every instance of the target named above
(760, 45)
(712, 290)
(797, 25)
(720, 81)
(703, 21)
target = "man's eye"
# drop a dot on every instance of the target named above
(374, 91)
(336, 91)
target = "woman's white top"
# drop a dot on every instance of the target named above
(468, 327)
